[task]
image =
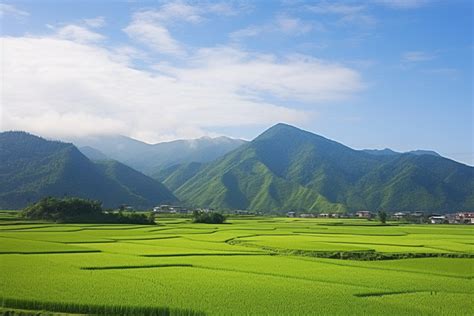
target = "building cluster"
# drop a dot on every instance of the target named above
(171, 209)
(321, 215)
(413, 217)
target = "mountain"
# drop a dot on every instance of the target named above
(176, 175)
(381, 152)
(32, 167)
(424, 152)
(151, 158)
(92, 153)
(389, 152)
(286, 168)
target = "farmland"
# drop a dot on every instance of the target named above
(247, 266)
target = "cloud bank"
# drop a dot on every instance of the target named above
(71, 84)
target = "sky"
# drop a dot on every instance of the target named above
(368, 74)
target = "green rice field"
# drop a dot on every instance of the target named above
(254, 266)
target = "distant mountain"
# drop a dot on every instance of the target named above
(286, 168)
(92, 153)
(389, 152)
(424, 152)
(381, 152)
(151, 158)
(32, 167)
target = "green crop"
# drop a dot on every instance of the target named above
(248, 266)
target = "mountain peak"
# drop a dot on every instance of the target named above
(282, 131)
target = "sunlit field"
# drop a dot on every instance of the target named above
(247, 266)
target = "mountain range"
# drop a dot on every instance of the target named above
(284, 168)
(32, 167)
(152, 158)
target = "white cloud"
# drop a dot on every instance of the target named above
(417, 56)
(281, 24)
(95, 22)
(350, 14)
(78, 34)
(155, 36)
(152, 27)
(58, 87)
(402, 4)
(171, 12)
(53, 123)
(336, 8)
(8, 9)
(292, 25)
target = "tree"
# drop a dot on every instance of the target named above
(208, 218)
(76, 210)
(382, 216)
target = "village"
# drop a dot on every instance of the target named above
(418, 217)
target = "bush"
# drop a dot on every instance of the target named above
(76, 210)
(382, 215)
(208, 218)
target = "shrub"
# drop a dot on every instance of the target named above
(208, 218)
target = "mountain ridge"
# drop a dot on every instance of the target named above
(151, 158)
(327, 175)
(32, 167)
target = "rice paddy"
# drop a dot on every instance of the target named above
(254, 266)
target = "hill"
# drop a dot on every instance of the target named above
(152, 158)
(32, 167)
(286, 168)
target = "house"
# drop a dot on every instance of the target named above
(307, 215)
(364, 214)
(291, 214)
(465, 217)
(417, 217)
(438, 219)
(324, 215)
(242, 212)
(399, 216)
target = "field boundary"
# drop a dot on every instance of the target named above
(63, 307)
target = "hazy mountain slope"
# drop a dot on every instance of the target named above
(32, 167)
(389, 152)
(288, 168)
(116, 147)
(163, 155)
(92, 153)
(151, 158)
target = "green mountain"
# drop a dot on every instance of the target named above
(152, 158)
(32, 167)
(176, 175)
(286, 168)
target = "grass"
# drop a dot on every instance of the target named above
(250, 266)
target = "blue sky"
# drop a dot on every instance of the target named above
(369, 74)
